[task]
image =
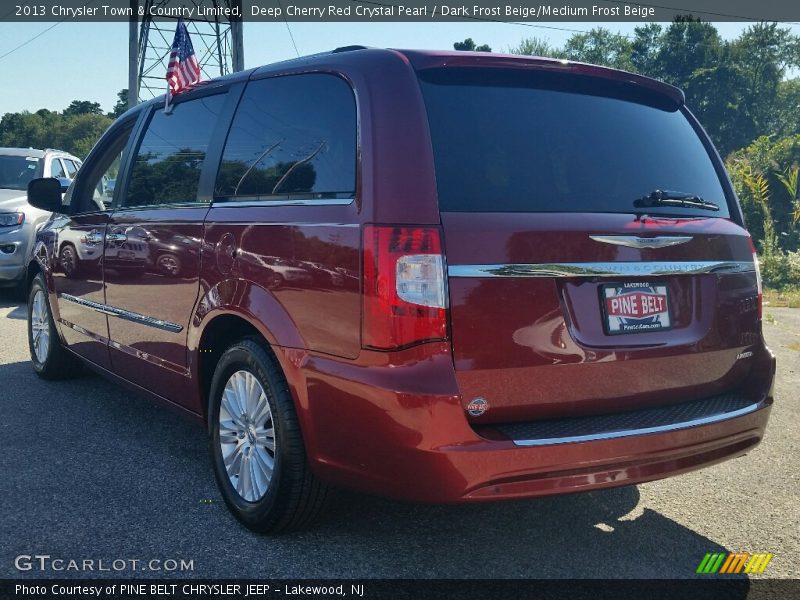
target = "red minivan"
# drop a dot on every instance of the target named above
(433, 276)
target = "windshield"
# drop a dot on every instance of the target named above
(521, 141)
(17, 171)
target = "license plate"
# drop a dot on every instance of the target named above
(635, 307)
(126, 255)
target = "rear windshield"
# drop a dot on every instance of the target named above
(517, 141)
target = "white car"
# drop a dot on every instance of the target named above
(19, 221)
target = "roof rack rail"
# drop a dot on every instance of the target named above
(348, 49)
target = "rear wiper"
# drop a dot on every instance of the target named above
(679, 199)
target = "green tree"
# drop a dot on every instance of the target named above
(534, 46)
(600, 47)
(468, 45)
(75, 133)
(786, 116)
(122, 104)
(83, 107)
(645, 48)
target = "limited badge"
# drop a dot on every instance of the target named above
(477, 407)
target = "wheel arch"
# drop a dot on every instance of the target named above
(231, 311)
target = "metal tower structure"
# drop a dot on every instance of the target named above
(217, 41)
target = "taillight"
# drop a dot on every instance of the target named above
(405, 298)
(758, 279)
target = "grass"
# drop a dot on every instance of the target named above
(788, 297)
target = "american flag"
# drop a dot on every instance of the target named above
(183, 70)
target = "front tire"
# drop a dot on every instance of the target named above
(49, 358)
(257, 448)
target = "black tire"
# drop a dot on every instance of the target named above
(59, 363)
(294, 498)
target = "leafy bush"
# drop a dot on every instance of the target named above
(780, 270)
(765, 176)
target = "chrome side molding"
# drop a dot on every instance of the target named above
(635, 241)
(123, 314)
(602, 269)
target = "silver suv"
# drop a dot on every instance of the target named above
(19, 221)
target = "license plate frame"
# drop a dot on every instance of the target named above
(644, 298)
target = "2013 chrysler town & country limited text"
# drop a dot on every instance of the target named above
(433, 276)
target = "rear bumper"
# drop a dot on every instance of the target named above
(400, 431)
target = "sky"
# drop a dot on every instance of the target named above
(88, 61)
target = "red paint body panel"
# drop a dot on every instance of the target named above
(75, 268)
(401, 432)
(517, 340)
(312, 270)
(141, 283)
(394, 423)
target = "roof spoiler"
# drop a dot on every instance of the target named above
(429, 60)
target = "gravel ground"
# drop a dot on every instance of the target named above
(90, 471)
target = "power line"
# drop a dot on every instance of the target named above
(25, 43)
(286, 22)
(555, 28)
(569, 30)
(687, 11)
(38, 35)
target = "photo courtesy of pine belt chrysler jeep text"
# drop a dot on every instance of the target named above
(431, 276)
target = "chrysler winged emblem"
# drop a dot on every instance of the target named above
(635, 241)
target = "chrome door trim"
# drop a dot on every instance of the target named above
(610, 435)
(635, 241)
(256, 203)
(124, 314)
(602, 269)
(102, 308)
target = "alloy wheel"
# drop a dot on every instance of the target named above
(247, 436)
(40, 326)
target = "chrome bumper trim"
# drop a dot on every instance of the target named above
(601, 269)
(610, 435)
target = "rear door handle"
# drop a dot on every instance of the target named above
(116, 237)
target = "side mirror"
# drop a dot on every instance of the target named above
(45, 194)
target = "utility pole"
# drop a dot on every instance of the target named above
(218, 44)
(133, 56)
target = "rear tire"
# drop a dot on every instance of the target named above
(257, 448)
(49, 358)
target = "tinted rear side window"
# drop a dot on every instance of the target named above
(171, 155)
(292, 136)
(516, 141)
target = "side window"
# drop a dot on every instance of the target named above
(292, 137)
(71, 168)
(171, 154)
(56, 169)
(94, 189)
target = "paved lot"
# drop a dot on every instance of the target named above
(89, 471)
